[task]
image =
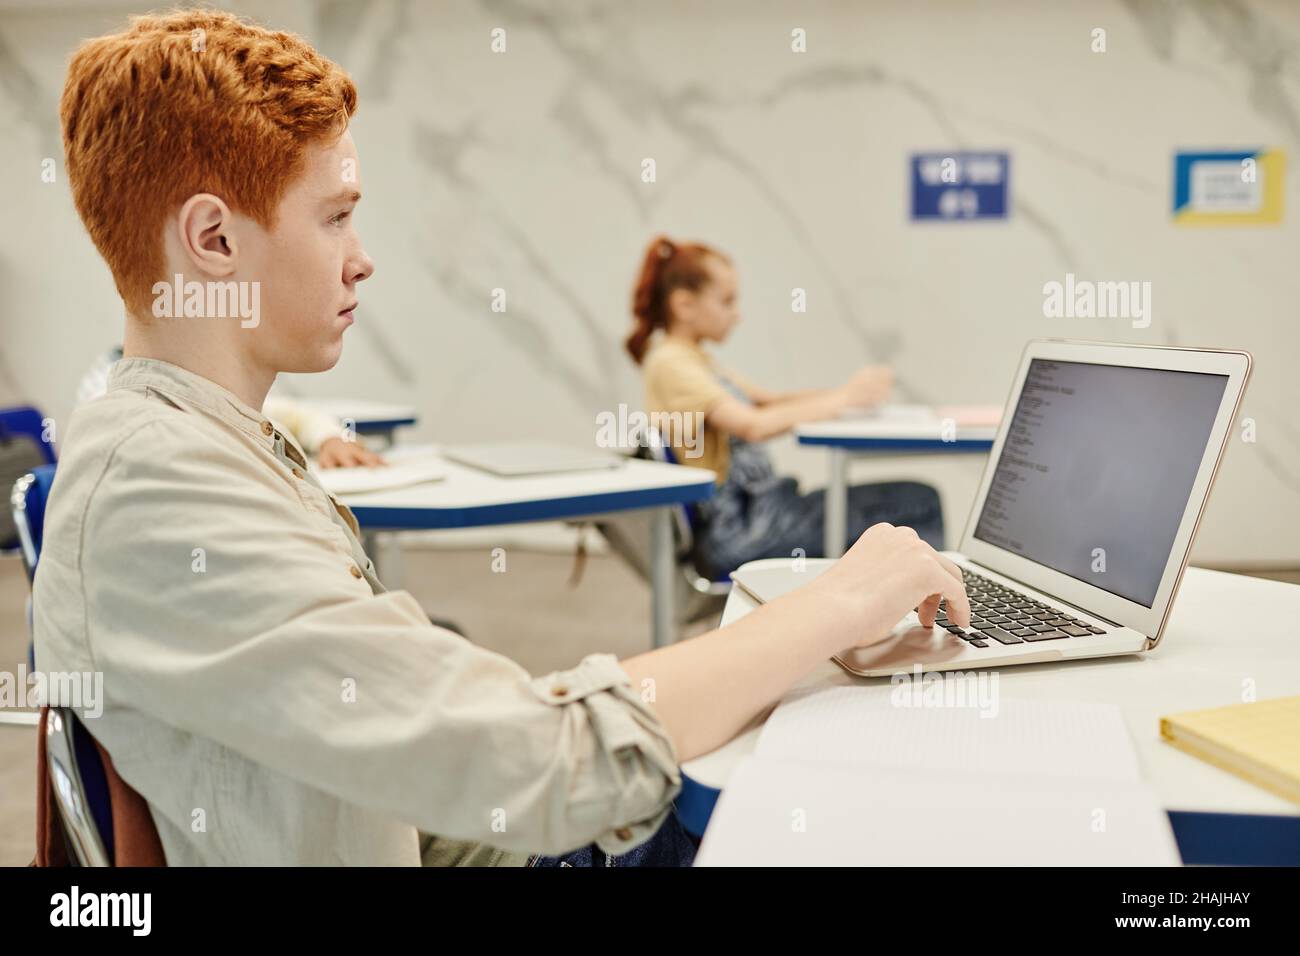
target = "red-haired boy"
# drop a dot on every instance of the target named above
(264, 694)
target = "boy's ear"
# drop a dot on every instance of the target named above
(206, 233)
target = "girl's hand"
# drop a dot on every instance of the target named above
(869, 386)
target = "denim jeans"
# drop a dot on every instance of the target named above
(739, 525)
(671, 845)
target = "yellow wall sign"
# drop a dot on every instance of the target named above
(1229, 188)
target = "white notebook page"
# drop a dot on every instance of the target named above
(848, 776)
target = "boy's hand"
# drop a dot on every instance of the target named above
(337, 453)
(888, 572)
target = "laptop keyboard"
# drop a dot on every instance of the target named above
(999, 613)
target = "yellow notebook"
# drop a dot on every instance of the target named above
(1259, 742)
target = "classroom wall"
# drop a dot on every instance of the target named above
(522, 171)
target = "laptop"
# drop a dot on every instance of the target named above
(517, 459)
(1085, 514)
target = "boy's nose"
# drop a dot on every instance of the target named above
(361, 269)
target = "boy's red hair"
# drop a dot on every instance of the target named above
(192, 101)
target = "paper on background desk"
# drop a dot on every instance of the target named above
(971, 416)
(401, 472)
(840, 776)
(968, 416)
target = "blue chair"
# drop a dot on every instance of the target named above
(80, 788)
(76, 771)
(26, 420)
(687, 520)
(28, 499)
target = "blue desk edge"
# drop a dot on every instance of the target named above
(382, 424)
(380, 518)
(899, 444)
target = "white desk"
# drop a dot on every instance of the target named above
(469, 498)
(1226, 629)
(860, 436)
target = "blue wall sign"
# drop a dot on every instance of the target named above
(960, 185)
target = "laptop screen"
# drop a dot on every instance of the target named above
(1096, 470)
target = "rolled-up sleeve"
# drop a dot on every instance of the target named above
(633, 747)
(236, 616)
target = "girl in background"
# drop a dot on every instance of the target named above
(685, 297)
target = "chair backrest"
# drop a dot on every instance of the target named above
(26, 420)
(80, 788)
(30, 494)
(654, 445)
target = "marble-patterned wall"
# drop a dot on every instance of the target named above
(522, 171)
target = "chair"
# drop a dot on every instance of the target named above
(628, 536)
(28, 498)
(80, 788)
(26, 420)
(26, 425)
(76, 772)
(652, 442)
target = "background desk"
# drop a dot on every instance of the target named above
(469, 498)
(370, 418)
(1226, 629)
(845, 437)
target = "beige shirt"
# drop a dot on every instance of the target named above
(682, 379)
(266, 695)
(310, 426)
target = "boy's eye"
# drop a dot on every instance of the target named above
(339, 217)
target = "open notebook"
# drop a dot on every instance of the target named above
(846, 776)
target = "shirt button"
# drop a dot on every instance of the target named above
(623, 833)
(559, 691)
(356, 571)
(297, 473)
(267, 429)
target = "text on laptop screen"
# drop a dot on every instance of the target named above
(1096, 470)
